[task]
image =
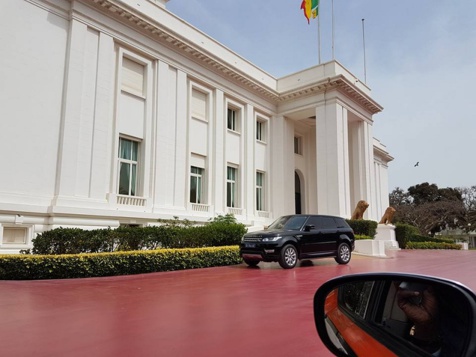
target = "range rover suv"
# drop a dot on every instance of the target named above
(295, 237)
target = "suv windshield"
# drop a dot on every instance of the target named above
(288, 223)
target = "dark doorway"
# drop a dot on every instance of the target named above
(297, 193)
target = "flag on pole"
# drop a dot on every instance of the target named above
(310, 8)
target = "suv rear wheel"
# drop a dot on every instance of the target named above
(343, 253)
(288, 257)
(251, 263)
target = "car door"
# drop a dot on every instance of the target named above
(307, 237)
(315, 241)
(326, 235)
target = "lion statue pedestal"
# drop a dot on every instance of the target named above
(386, 230)
(386, 233)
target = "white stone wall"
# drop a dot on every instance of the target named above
(64, 109)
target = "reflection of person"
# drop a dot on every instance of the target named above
(421, 307)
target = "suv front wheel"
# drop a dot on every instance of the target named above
(343, 253)
(288, 257)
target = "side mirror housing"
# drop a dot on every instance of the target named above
(389, 314)
(309, 227)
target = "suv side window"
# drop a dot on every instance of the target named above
(341, 223)
(323, 222)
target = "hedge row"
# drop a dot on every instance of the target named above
(363, 227)
(362, 237)
(419, 238)
(404, 233)
(29, 267)
(432, 245)
(173, 236)
(408, 237)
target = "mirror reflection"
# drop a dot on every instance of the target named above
(394, 317)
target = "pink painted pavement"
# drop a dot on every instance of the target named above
(226, 311)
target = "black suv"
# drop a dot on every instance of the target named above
(300, 236)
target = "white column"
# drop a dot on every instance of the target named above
(181, 144)
(103, 123)
(370, 183)
(282, 167)
(73, 92)
(249, 162)
(363, 168)
(217, 166)
(332, 157)
(164, 171)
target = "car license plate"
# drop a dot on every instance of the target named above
(250, 245)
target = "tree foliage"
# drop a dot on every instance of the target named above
(432, 209)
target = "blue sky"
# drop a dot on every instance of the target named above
(420, 64)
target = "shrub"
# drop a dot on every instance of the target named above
(432, 245)
(362, 237)
(420, 238)
(404, 232)
(222, 231)
(363, 227)
(27, 267)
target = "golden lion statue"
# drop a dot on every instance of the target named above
(359, 210)
(388, 216)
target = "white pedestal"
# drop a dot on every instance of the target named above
(370, 247)
(386, 234)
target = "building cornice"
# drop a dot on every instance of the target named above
(120, 10)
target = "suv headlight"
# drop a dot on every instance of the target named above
(271, 239)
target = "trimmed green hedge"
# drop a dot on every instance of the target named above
(421, 239)
(29, 267)
(361, 237)
(432, 245)
(404, 232)
(175, 235)
(409, 237)
(363, 227)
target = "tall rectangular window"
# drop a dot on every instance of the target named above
(133, 77)
(259, 191)
(128, 166)
(199, 105)
(298, 145)
(196, 184)
(260, 133)
(232, 119)
(231, 189)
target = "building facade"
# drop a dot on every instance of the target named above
(117, 112)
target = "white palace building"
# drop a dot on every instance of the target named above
(117, 112)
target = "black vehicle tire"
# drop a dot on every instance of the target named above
(288, 257)
(343, 253)
(251, 263)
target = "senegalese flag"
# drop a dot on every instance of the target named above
(310, 8)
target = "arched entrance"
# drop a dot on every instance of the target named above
(297, 193)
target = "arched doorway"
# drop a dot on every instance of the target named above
(297, 193)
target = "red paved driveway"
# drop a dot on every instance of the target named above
(229, 311)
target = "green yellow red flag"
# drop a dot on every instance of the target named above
(310, 8)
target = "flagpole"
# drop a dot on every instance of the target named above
(319, 34)
(333, 54)
(363, 41)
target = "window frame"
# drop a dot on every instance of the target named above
(260, 191)
(232, 122)
(199, 177)
(261, 129)
(298, 145)
(232, 187)
(133, 177)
